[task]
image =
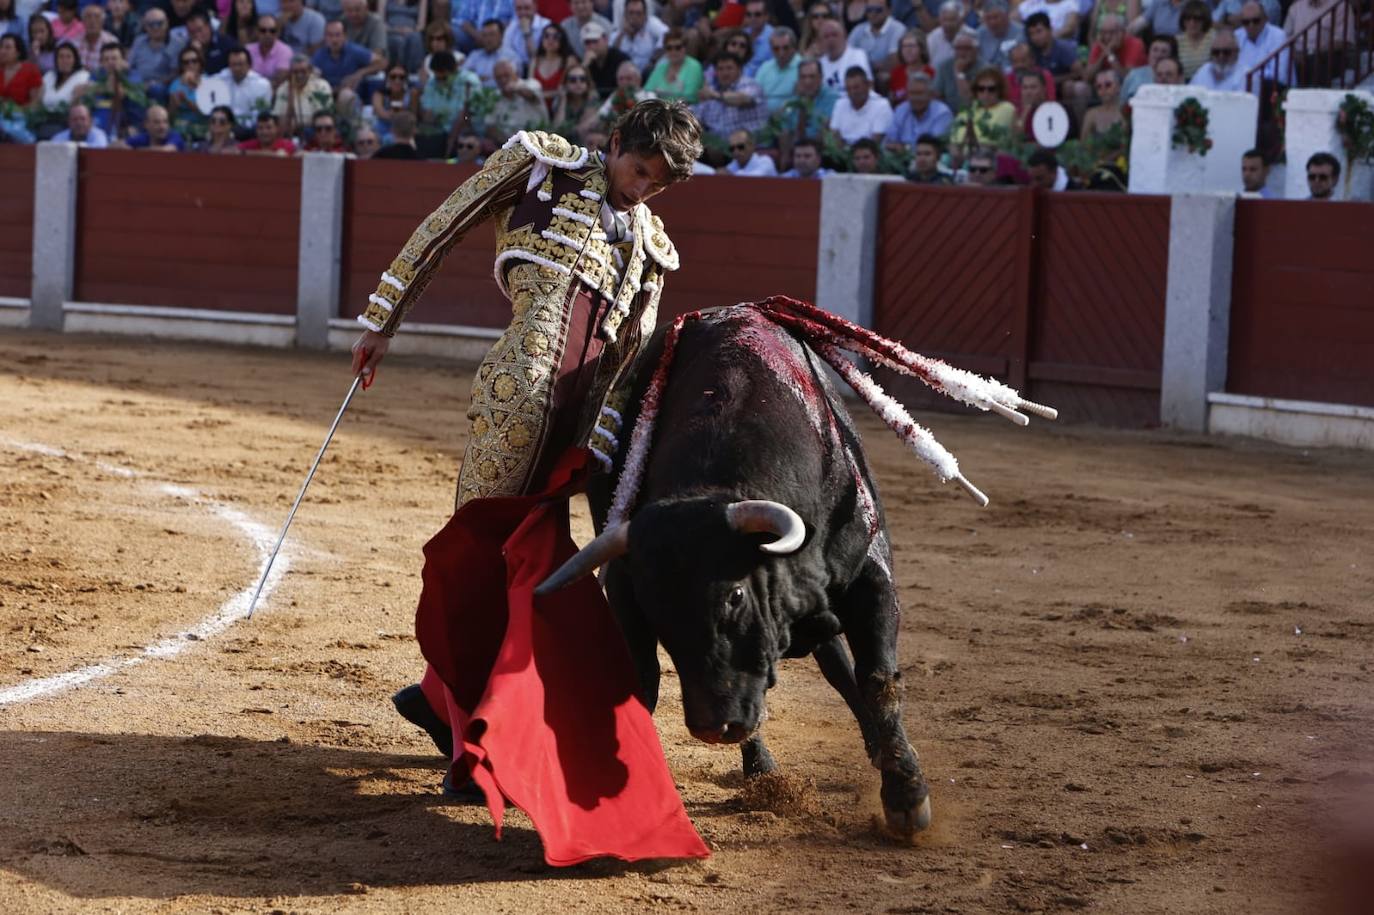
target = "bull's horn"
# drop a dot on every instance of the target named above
(613, 543)
(760, 516)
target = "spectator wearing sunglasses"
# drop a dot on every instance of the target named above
(366, 143)
(1322, 171)
(270, 58)
(1194, 37)
(1227, 12)
(575, 108)
(153, 60)
(219, 137)
(981, 168)
(745, 161)
(468, 150)
(1223, 72)
(879, 38)
(324, 134)
(677, 75)
(990, 115)
(1258, 39)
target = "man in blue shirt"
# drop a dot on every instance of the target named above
(1060, 57)
(81, 129)
(778, 77)
(758, 31)
(153, 59)
(157, 133)
(469, 16)
(919, 115)
(342, 63)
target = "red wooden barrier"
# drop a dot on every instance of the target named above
(16, 220)
(1102, 262)
(1060, 295)
(188, 231)
(383, 203)
(738, 239)
(1302, 301)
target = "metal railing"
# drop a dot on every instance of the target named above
(1335, 50)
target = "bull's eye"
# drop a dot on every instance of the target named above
(736, 599)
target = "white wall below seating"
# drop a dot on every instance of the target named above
(1310, 127)
(1158, 168)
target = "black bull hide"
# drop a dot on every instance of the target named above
(749, 413)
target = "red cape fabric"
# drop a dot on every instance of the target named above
(541, 692)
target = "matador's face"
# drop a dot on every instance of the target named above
(633, 178)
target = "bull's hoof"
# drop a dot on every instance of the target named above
(906, 823)
(757, 760)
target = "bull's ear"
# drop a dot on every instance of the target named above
(760, 516)
(613, 543)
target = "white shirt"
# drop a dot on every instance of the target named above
(1206, 78)
(879, 46)
(1253, 53)
(832, 71)
(1059, 13)
(515, 40)
(941, 48)
(853, 124)
(244, 96)
(54, 96)
(640, 48)
(760, 166)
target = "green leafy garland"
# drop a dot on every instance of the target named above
(1355, 124)
(1190, 127)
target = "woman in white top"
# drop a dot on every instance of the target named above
(65, 82)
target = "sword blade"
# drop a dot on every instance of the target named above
(267, 569)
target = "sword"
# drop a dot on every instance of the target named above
(353, 389)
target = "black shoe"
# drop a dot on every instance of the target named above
(415, 708)
(465, 793)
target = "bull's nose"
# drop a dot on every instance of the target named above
(732, 732)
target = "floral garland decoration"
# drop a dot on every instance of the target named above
(1190, 127)
(1355, 124)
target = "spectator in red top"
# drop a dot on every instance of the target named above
(20, 81)
(1022, 62)
(911, 58)
(1114, 49)
(268, 141)
(1033, 94)
(324, 134)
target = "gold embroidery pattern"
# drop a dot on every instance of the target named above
(514, 387)
(474, 201)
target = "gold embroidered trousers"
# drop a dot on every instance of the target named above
(537, 391)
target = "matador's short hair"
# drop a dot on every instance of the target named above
(661, 126)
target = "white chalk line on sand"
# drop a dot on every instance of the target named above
(229, 612)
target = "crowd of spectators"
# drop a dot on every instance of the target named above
(792, 88)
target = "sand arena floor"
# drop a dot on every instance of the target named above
(1139, 681)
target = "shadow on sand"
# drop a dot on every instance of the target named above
(119, 815)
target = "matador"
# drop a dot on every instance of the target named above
(582, 261)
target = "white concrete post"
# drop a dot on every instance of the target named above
(321, 248)
(1197, 309)
(1158, 168)
(847, 250)
(1310, 127)
(54, 233)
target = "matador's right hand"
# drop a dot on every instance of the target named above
(368, 352)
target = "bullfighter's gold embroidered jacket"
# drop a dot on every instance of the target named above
(558, 226)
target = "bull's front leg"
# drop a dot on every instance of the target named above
(871, 620)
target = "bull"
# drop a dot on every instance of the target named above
(757, 535)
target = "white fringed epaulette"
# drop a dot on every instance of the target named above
(657, 244)
(550, 149)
